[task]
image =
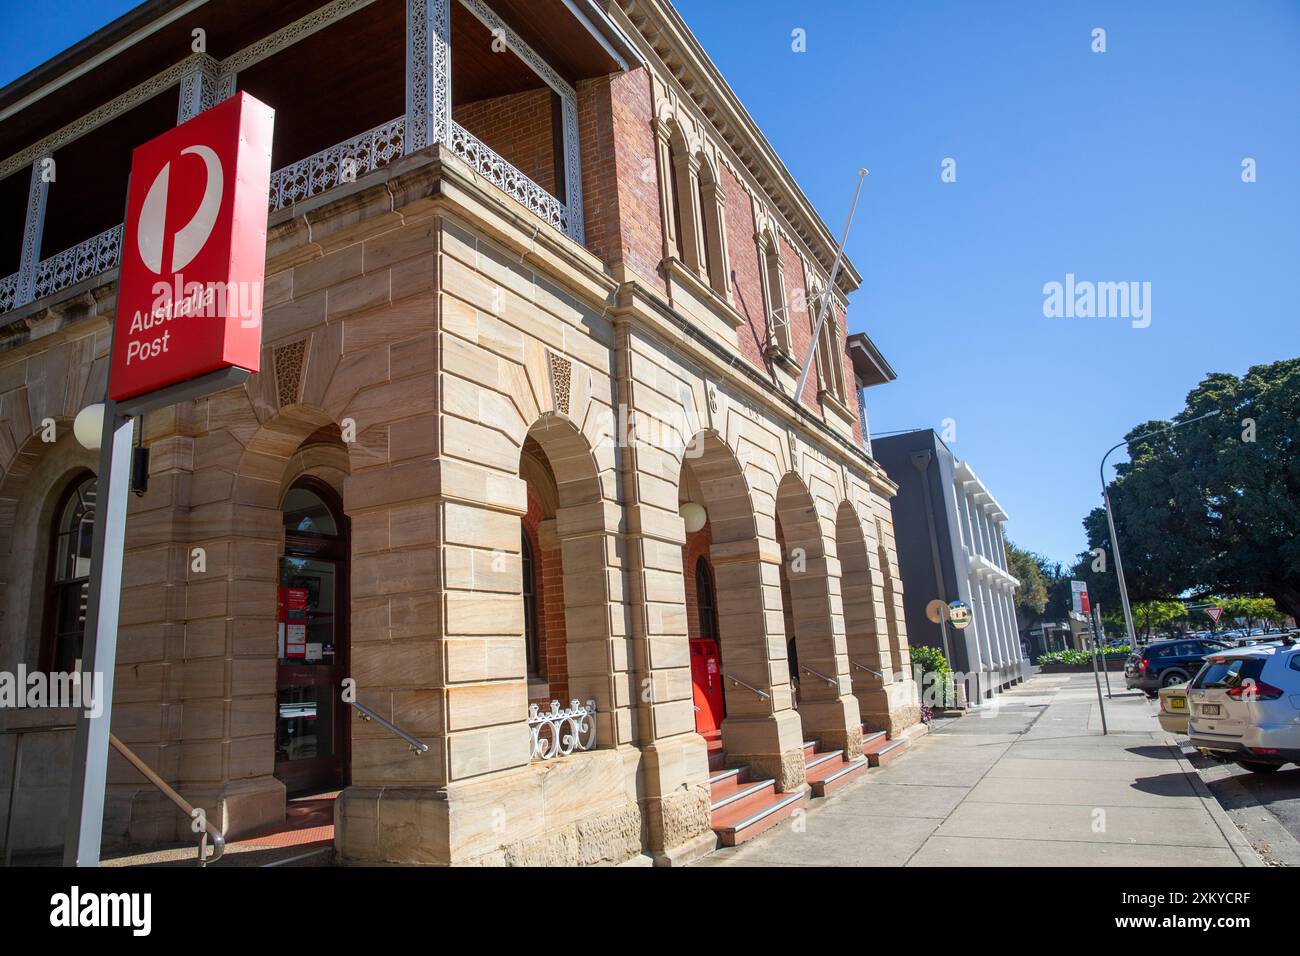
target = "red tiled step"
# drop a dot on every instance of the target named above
(870, 736)
(821, 757)
(828, 777)
(717, 757)
(722, 781)
(809, 748)
(733, 794)
(882, 751)
(736, 824)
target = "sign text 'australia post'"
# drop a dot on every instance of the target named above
(189, 297)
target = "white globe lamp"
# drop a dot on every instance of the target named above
(693, 515)
(88, 426)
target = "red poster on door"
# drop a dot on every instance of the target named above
(189, 298)
(295, 627)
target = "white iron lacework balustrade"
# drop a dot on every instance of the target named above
(559, 732)
(84, 260)
(8, 292)
(342, 163)
(489, 164)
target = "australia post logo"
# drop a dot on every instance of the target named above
(194, 251)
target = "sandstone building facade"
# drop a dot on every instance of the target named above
(537, 293)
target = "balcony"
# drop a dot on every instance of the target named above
(356, 84)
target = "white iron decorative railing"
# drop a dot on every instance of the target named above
(486, 162)
(84, 260)
(560, 732)
(342, 163)
(8, 292)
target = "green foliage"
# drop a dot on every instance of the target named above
(929, 659)
(1152, 616)
(1213, 507)
(1072, 656)
(1256, 610)
(1031, 595)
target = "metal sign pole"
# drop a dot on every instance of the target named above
(1096, 630)
(90, 749)
(1101, 702)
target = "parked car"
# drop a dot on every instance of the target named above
(1162, 663)
(1173, 709)
(1245, 704)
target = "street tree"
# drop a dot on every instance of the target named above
(1214, 507)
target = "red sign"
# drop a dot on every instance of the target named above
(1215, 613)
(189, 297)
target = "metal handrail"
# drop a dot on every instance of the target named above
(864, 667)
(809, 670)
(762, 694)
(218, 840)
(417, 746)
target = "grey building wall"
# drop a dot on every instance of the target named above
(900, 455)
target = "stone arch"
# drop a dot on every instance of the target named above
(33, 481)
(810, 585)
(866, 633)
(575, 539)
(892, 600)
(761, 727)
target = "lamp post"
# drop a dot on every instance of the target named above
(1110, 517)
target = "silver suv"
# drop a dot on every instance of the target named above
(1245, 706)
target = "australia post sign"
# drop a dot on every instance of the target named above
(189, 297)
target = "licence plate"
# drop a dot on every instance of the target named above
(1178, 703)
(1211, 710)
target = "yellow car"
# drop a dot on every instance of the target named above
(1173, 708)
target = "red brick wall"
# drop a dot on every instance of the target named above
(519, 127)
(746, 281)
(553, 647)
(530, 523)
(548, 586)
(801, 317)
(850, 384)
(620, 185)
(696, 547)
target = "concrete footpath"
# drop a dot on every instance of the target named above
(1027, 781)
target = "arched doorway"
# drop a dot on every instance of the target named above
(311, 740)
(706, 656)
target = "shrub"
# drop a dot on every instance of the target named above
(1072, 656)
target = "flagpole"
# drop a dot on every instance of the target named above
(823, 301)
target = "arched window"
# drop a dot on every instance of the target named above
(713, 233)
(829, 364)
(68, 585)
(706, 600)
(530, 602)
(772, 273)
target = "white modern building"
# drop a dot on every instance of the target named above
(948, 528)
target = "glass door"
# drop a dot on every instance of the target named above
(311, 741)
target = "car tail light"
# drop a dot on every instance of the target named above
(1142, 664)
(1254, 691)
(1273, 751)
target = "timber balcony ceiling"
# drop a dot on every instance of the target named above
(355, 85)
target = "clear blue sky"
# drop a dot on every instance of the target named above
(1115, 166)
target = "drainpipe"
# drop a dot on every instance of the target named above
(921, 462)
